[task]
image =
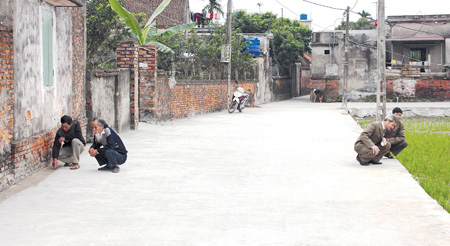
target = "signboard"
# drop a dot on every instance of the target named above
(226, 53)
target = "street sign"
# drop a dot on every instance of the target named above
(226, 53)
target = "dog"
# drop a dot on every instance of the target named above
(317, 94)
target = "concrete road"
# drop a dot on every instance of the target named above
(282, 174)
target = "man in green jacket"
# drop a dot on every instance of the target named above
(396, 136)
(371, 145)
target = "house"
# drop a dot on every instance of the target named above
(176, 13)
(42, 77)
(421, 40)
(328, 57)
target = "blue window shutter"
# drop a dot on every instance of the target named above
(47, 43)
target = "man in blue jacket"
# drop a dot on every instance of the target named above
(107, 148)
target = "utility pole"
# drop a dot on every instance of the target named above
(228, 42)
(381, 47)
(347, 44)
(282, 16)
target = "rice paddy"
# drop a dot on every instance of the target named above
(427, 156)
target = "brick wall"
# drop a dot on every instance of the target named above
(172, 15)
(79, 66)
(127, 57)
(6, 102)
(428, 89)
(192, 97)
(330, 86)
(147, 79)
(282, 88)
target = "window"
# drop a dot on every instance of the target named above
(419, 55)
(317, 37)
(47, 46)
(326, 52)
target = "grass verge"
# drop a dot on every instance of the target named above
(427, 156)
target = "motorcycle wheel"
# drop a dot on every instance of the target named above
(241, 108)
(233, 106)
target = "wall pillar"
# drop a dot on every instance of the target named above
(128, 57)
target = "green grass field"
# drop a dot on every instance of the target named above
(427, 156)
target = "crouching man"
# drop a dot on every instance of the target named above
(396, 136)
(69, 143)
(371, 145)
(107, 148)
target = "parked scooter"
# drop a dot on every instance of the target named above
(239, 99)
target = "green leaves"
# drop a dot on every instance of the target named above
(291, 38)
(148, 34)
(128, 20)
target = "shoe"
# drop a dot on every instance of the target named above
(375, 162)
(74, 166)
(388, 155)
(104, 168)
(116, 169)
(67, 164)
(360, 162)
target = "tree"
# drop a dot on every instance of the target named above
(148, 34)
(213, 5)
(364, 23)
(291, 38)
(104, 29)
(199, 56)
(365, 14)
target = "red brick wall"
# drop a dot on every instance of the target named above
(147, 79)
(428, 89)
(6, 100)
(330, 86)
(127, 57)
(192, 97)
(78, 66)
(172, 15)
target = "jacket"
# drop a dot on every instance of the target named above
(397, 134)
(72, 133)
(372, 135)
(109, 139)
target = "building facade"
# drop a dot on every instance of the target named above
(42, 77)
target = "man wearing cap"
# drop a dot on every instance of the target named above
(396, 136)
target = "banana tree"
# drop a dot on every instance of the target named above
(148, 34)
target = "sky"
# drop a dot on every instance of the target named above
(325, 18)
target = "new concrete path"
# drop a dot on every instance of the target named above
(282, 174)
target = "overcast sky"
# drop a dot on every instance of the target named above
(328, 18)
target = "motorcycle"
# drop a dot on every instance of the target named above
(239, 99)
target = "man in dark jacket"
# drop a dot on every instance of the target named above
(107, 148)
(396, 136)
(69, 143)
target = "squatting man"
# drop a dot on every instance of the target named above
(69, 143)
(108, 149)
(372, 144)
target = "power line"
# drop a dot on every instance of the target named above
(296, 13)
(326, 6)
(354, 5)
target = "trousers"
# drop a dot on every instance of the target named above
(110, 157)
(397, 148)
(71, 154)
(366, 154)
